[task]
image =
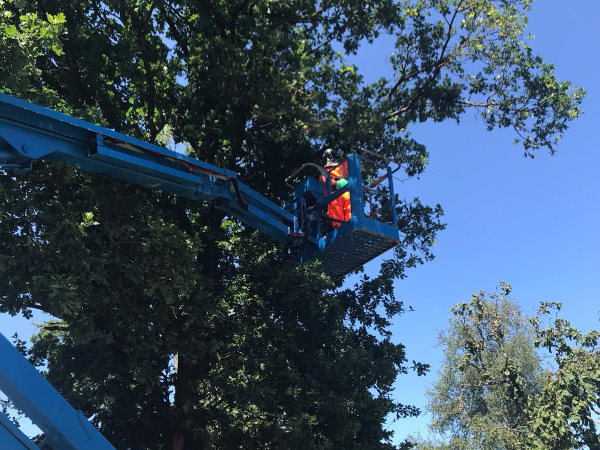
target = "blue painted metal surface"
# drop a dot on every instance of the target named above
(64, 427)
(29, 132)
(355, 242)
(11, 438)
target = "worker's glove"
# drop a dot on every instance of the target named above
(341, 183)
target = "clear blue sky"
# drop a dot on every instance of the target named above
(531, 223)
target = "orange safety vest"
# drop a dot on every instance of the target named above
(339, 208)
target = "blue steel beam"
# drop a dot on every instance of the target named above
(65, 428)
(29, 131)
(11, 438)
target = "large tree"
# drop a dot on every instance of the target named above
(488, 344)
(495, 390)
(178, 326)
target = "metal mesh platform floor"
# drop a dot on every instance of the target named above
(352, 250)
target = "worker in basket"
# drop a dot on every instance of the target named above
(339, 208)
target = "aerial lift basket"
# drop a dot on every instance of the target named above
(371, 230)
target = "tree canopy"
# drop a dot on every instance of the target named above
(497, 390)
(176, 326)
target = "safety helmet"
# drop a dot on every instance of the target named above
(330, 158)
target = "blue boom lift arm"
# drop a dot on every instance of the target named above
(64, 427)
(29, 132)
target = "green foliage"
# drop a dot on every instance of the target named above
(174, 322)
(564, 415)
(494, 391)
(488, 352)
(25, 37)
(456, 54)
